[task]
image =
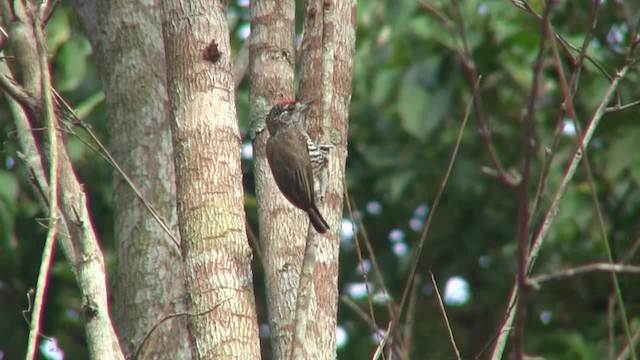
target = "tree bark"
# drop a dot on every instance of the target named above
(149, 281)
(79, 241)
(222, 320)
(327, 61)
(283, 228)
(302, 300)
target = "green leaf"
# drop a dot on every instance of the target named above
(384, 84)
(71, 63)
(413, 102)
(58, 30)
(623, 154)
(420, 109)
(9, 187)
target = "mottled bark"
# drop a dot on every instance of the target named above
(222, 321)
(327, 60)
(149, 284)
(327, 52)
(79, 241)
(283, 228)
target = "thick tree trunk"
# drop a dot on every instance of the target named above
(222, 321)
(149, 281)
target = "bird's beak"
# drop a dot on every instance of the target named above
(304, 106)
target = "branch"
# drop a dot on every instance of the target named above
(618, 107)
(464, 54)
(536, 280)
(51, 126)
(69, 114)
(298, 340)
(136, 353)
(554, 208)
(446, 319)
(522, 193)
(436, 201)
(361, 262)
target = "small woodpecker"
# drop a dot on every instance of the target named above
(295, 160)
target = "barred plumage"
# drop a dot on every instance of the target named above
(318, 153)
(296, 162)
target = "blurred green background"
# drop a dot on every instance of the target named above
(409, 97)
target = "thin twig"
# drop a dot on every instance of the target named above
(359, 312)
(444, 315)
(169, 317)
(464, 54)
(566, 45)
(571, 168)
(506, 327)
(301, 315)
(380, 349)
(578, 63)
(47, 253)
(629, 348)
(361, 262)
(522, 190)
(361, 228)
(546, 169)
(554, 208)
(598, 267)
(410, 319)
(364, 317)
(436, 201)
(618, 107)
(106, 154)
(592, 187)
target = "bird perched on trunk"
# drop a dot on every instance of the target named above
(295, 160)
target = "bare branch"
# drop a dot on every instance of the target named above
(52, 136)
(444, 316)
(361, 263)
(304, 295)
(579, 270)
(458, 33)
(522, 192)
(436, 201)
(618, 107)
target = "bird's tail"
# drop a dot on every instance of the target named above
(316, 219)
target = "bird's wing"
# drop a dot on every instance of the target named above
(292, 171)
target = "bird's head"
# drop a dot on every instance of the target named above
(284, 114)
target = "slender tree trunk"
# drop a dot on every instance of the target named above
(283, 229)
(301, 266)
(222, 321)
(79, 241)
(327, 61)
(149, 281)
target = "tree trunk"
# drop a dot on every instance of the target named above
(149, 281)
(327, 61)
(301, 266)
(283, 228)
(222, 320)
(79, 241)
